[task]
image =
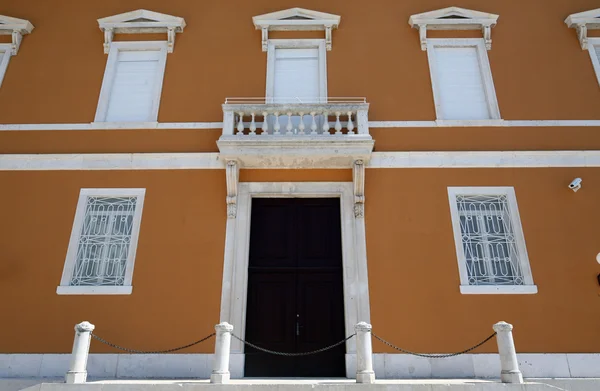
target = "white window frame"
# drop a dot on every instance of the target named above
(593, 48)
(71, 259)
(5, 54)
(109, 74)
(486, 72)
(465, 288)
(296, 44)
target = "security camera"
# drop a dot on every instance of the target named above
(575, 184)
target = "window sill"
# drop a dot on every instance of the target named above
(94, 290)
(469, 122)
(498, 289)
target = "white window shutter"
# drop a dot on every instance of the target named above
(296, 76)
(460, 84)
(134, 85)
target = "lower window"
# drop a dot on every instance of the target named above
(490, 245)
(103, 242)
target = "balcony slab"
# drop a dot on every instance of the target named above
(331, 151)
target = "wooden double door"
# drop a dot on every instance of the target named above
(295, 288)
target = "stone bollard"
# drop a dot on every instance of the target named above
(220, 373)
(81, 347)
(364, 354)
(508, 356)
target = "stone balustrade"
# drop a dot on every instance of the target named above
(261, 117)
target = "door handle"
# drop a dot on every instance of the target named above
(297, 328)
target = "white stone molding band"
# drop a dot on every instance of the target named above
(371, 124)
(354, 254)
(16, 28)
(385, 366)
(582, 22)
(212, 161)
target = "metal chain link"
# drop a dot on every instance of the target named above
(293, 354)
(145, 352)
(433, 355)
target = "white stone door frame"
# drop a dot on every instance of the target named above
(237, 244)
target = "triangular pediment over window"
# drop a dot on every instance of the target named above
(141, 21)
(454, 18)
(15, 27)
(296, 19)
(582, 22)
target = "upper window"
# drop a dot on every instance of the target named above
(492, 257)
(460, 71)
(16, 28)
(296, 71)
(132, 82)
(594, 49)
(103, 242)
(134, 72)
(5, 53)
(461, 80)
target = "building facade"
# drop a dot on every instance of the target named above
(429, 167)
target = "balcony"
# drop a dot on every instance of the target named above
(261, 133)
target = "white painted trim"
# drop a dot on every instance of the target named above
(71, 258)
(5, 54)
(116, 161)
(594, 50)
(94, 290)
(212, 161)
(515, 218)
(274, 44)
(386, 365)
(109, 73)
(237, 242)
(372, 124)
(484, 66)
(499, 289)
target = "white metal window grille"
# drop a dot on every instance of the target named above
(103, 241)
(461, 78)
(489, 240)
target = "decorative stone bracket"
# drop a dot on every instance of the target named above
(296, 19)
(358, 173)
(582, 22)
(454, 18)
(16, 28)
(141, 21)
(232, 173)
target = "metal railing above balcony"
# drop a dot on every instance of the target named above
(295, 116)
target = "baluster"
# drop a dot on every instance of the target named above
(240, 125)
(265, 126)
(338, 124)
(277, 126)
(350, 124)
(325, 123)
(289, 124)
(252, 125)
(313, 124)
(301, 125)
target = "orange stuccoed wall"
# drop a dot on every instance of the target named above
(539, 69)
(413, 273)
